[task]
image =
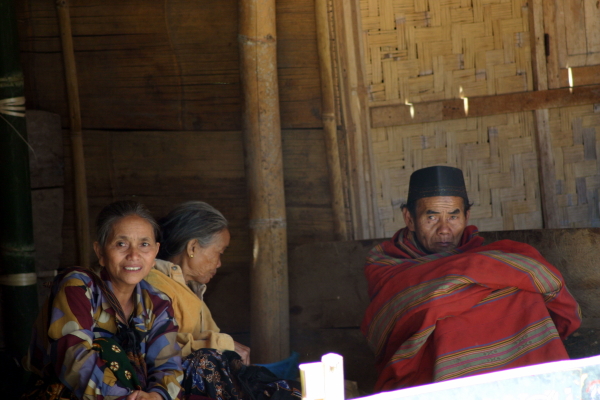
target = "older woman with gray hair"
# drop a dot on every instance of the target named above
(194, 236)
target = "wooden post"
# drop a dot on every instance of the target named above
(330, 120)
(269, 303)
(354, 102)
(543, 136)
(81, 201)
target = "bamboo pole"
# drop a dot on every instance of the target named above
(81, 201)
(269, 303)
(18, 282)
(330, 120)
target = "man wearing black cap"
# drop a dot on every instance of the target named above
(444, 306)
(437, 210)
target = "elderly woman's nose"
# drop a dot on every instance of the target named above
(133, 252)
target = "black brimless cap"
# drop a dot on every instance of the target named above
(437, 181)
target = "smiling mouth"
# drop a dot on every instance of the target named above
(133, 268)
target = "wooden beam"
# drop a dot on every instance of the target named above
(552, 36)
(435, 111)
(543, 135)
(538, 47)
(546, 168)
(269, 304)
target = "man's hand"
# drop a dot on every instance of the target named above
(243, 351)
(140, 395)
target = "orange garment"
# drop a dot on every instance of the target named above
(197, 329)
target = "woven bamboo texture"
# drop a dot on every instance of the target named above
(497, 155)
(575, 134)
(426, 50)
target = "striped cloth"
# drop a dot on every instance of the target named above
(472, 310)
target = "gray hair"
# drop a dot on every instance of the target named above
(113, 212)
(187, 221)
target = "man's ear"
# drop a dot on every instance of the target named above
(467, 215)
(408, 219)
(99, 253)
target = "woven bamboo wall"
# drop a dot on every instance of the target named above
(497, 155)
(575, 134)
(425, 50)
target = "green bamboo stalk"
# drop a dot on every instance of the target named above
(18, 290)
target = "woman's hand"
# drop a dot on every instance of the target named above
(243, 351)
(140, 395)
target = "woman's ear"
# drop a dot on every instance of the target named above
(157, 248)
(191, 247)
(99, 253)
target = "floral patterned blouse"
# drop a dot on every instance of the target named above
(63, 336)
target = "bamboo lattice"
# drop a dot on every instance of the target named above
(426, 50)
(496, 153)
(575, 134)
(498, 157)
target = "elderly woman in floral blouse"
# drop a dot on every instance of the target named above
(109, 334)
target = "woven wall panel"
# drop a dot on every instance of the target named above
(575, 134)
(496, 153)
(426, 50)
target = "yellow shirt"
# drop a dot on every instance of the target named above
(197, 329)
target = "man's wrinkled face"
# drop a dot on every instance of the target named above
(439, 222)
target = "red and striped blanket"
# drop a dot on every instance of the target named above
(473, 310)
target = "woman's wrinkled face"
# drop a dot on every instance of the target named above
(129, 252)
(203, 266)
